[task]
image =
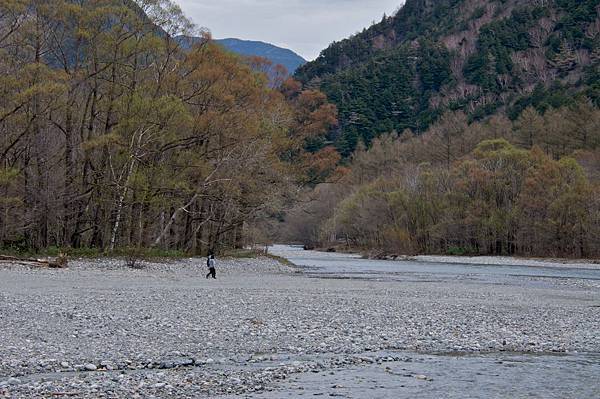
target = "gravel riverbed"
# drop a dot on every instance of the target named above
(100, 329)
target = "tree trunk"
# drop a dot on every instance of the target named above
(120, 204)
(172, 219)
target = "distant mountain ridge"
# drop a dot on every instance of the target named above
(277, 55)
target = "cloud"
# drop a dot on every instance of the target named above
(305, 26)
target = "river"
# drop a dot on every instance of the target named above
(337, 265)
(447, 375)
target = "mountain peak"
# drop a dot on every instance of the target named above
(277, 55)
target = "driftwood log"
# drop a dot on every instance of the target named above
(59, 263)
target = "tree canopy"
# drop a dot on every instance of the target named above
(112, 136)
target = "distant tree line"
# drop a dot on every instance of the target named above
(500, 187)
(112, 136)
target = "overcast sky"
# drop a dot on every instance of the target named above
(305, 26)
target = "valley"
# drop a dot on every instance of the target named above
(445, 159)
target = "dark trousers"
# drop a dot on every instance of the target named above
(212, 272)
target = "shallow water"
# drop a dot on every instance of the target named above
(332, 265)
(419, 375)
(499, 375)
(452, 376)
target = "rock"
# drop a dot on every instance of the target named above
(167, 365)
(184, 362)
(90, 367)
(65, 365)
(13, 381)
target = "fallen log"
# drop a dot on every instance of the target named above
(59, 263)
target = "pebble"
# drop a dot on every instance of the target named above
(162, 327)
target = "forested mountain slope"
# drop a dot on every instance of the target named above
(482, 57)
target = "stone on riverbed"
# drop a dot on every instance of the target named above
(168, 314)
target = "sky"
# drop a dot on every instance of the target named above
(304, 26)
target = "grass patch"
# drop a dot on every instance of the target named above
(147, 253)
(130, 253)
(281, 260)
(253, 254)
(142, 253)
(241, 254)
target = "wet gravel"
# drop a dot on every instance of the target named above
(100, 329)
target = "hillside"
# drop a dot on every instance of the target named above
(277, 55)
(482, 57)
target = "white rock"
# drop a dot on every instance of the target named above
(91, 367)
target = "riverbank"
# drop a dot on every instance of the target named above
(99, 329)
(474, 260)
(510, 261)
(590, 264)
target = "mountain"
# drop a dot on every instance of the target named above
(279, 56)
(480, 56)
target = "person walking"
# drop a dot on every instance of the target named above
(212, 271)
